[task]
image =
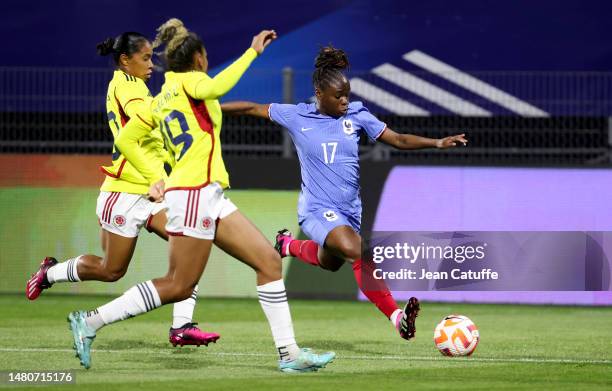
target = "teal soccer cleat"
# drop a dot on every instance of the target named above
(83, 337)
(307, 361)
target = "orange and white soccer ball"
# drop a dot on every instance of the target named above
(456, 335)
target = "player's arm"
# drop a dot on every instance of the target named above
(127, 142)
(136, 106)
(410, 141)
(133, 96)
(227, 79)
(246, 108)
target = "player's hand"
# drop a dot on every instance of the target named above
(262, 40)
(156, 191)
(451, 141)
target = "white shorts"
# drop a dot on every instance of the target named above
(195, 213)
(125, 214)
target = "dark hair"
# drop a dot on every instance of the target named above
(126, 43)
(181, 45)
(329, 64)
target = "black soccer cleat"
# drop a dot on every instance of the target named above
(407, 327)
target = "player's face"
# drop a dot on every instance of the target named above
(141, 63)
(334, 99)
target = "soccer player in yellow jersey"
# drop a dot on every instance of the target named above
(188, 111)
(123, 208)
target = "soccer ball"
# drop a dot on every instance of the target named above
(456, 335)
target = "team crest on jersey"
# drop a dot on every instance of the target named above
(119, 221)
(330, 215)
(207, 222)
(347, 126)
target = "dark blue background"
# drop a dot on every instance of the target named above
(477, 35)
(472, 35)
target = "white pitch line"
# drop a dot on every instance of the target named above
(384, 99)
(420, 87)
(342, 357)
(473, 84)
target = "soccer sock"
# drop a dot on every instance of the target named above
(183, 310)
(135, 301)
(395, 318)
(380, 295)
(273, 300)
(63, 272)
(305, 250)
(94, 320)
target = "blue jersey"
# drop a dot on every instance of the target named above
(328, 150)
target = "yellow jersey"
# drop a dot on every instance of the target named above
(188, 113)
(126, 96)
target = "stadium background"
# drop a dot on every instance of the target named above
(529, 95)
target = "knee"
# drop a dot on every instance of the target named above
(272, 267)
(350, 250)
(176, 292)
(183, 293)
(112, 275)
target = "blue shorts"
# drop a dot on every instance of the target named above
(318, 223)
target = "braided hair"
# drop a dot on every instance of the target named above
(127, 43)
(329, 66)
(181, 45)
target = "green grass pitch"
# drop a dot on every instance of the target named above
(521, 347)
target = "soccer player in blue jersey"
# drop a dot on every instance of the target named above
(326, 135)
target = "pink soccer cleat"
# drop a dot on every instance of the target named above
(283, 238)
(38, 282)
(189, 334)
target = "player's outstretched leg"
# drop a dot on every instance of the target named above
(84, 325)
(377, 292)
(83, 337)
(118, 250)
(38, 282)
